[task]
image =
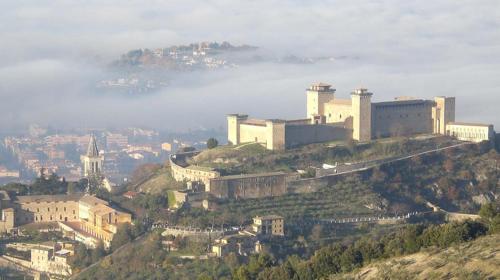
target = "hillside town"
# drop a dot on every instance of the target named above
(41, 152)
(249, 140)
(92, 213)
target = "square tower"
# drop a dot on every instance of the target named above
(233, 127)
(443, 113)
(361, 114)
(317, 95)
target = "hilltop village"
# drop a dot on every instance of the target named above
(279, 187)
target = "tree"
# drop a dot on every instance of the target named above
(449, 166)
(98, 252)
(488, 211)
(72, 188)
(123, 235)
(212, 143)
(316, 233)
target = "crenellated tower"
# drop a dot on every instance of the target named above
(361, 114)
(318, 95)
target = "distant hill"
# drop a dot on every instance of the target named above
(146, 70)
(192, 56)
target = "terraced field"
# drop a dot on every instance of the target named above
(345, 199)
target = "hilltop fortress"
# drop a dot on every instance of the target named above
(330, 118)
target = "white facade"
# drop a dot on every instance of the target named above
(470, 131)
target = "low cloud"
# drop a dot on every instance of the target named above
(53, 51)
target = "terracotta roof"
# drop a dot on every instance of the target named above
(102, 209)
(48, 198)
(92, 200)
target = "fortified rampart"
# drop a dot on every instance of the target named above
(249, 186)
(302, 134)
(181, 171)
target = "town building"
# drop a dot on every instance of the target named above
(330, 118)
(269, 225)
(82, 217)
(115, 140)
(52, 259)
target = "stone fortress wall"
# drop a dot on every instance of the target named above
(400, 118)
(181, 171)
(249, 186)
(235, 186)
(330, 118)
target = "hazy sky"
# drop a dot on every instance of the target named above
(50, 50)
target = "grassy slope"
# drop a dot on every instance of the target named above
(253, 158)
(479, 259)
(160, 182)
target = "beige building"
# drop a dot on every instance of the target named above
(51, 259)
(83, 217)
(7, 222)
(167, 147)
(470, 131)
(330, 118)
(269, 225)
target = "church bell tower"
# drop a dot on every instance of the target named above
(92, 161)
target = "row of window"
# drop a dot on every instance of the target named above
(48, 209)
(401, 116)
(470, 135)
(39, 218)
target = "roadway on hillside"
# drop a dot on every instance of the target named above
(366, 165)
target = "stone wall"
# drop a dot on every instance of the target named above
(253, 133)
(296, 135)
(249, 186)
(191, 173)
(401, 118)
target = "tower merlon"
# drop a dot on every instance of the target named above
(361, 92)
